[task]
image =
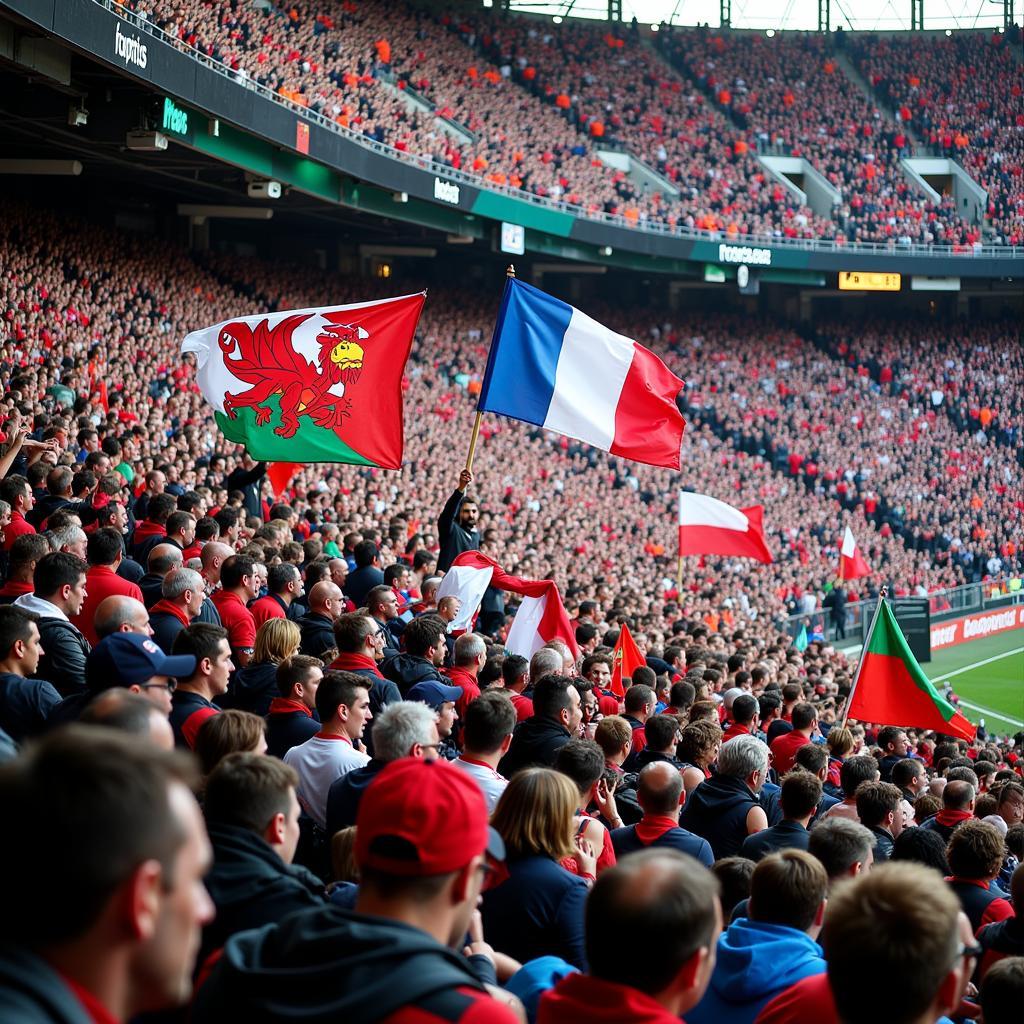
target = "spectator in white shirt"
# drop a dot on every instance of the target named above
(486, 735)
(343, 703)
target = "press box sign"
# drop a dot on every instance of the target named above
(446, 192)
(751, 256)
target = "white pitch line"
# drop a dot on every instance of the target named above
(977, 664)
(992, 714)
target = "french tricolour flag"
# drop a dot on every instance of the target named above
(556, 367)
(708, 526)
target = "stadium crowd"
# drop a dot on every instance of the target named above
(962, 96)
(696, 109)
(424, 828)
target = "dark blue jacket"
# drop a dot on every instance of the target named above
(287, 729)
(360, 582)
(251, 886)
(252, 688)
(717, 810)
(165, 628)
(787, 835)
(537, 911)
(25, 705)
(345, 793)
(625, 840)
(32, 992)
(406, 670)
(536, 741)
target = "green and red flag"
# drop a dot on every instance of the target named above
(626, 659)
(311, 385)
(891, 689)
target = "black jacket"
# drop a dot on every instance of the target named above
(406, 670)
(787, 835)
(251, 886)
(536, 741)
(252, 688)
(249, 483)
(287, 729)
(717, 810)
(151, 586)
(64, 661)
(331, 965)
(32, 992)
(454, 539)
(345, 794)
(25, 705)
(884, 843)
(165, 628)
(317, 634)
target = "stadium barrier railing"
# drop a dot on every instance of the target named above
(643, 225)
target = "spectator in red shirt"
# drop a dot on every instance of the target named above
(239, 585)
(16, 492)
(784, 747)
(284, 583)
(103, 553)
(470, 657)
(515, 674)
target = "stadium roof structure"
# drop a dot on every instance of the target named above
(784, 15)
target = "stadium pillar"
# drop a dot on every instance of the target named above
(916, 15)
(824, 15)
(615, 10)
(725, 13)
(1007, 14)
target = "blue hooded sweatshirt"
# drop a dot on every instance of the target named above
(756, 961)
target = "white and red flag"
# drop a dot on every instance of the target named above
(708, 526)
(541, 617)
(851, 562)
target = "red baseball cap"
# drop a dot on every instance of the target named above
(423, 818)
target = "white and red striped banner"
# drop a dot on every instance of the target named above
(708, 526)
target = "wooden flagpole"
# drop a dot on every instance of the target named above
(863, 651)
(474, 437)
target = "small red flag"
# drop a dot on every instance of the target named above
(280, 475)
(626, 659)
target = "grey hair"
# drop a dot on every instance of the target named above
(170, 559)
(468, 648)
(839, 844)
(177, 581)
(68, 535)
(543, 663)
(741, 756)
(399, 727)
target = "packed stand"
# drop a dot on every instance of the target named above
(789, 93)
(312, 776)
(961, 95)
(617, 92)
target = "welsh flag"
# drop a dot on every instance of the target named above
(890, 688)
(311, 385)
(626, 658)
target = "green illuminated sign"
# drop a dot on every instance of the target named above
(175, 119)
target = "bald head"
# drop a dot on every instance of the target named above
(958, 796)
(661, 785)
(163, 558)
(212, 556)
(119, 614)
(670, 899)
(326, 599)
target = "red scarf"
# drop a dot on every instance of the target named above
(286, 706)
(948, 817)
(653, 827)
(172, 609)
(354, 663)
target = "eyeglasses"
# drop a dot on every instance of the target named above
(170, 686)
(965, 952)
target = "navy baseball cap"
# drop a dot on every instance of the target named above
(130, 659)
(433, 693)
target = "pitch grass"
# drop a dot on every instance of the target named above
(996, 688)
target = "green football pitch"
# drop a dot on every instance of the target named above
(988, 677)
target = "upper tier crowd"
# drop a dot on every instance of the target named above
(696, 108)
(368, 819)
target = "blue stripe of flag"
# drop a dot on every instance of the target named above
(527, 342)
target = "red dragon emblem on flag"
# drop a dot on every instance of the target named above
(266, 358)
